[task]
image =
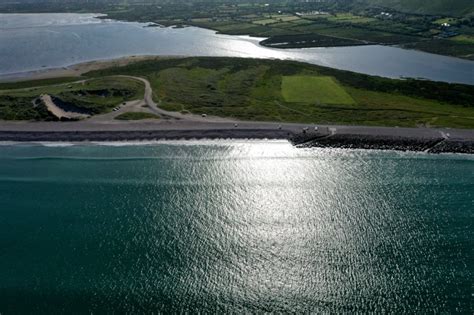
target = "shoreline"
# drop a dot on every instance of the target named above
(78, 69)
(349, 137)
(180, 126)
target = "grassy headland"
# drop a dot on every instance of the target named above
(287, 91)
(254, 90)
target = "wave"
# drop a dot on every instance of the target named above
(183, 142)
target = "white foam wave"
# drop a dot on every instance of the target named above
(182, 142)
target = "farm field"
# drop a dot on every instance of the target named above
(318, 89)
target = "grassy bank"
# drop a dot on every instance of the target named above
(35, 83)
(255, 90)
(20, 101)
(450, 47)
(271, 90)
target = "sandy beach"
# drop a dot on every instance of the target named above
(76, 70)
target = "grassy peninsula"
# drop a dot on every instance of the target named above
(254, 90)
(287, 91)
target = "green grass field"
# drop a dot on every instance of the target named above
(310, 89)
(465, 39)
(350, 18)
(286, 18)
(264, 22)
(445, 20)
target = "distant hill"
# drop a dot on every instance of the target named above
(445, 7)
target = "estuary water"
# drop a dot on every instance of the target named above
(31, 42)
(234, 226)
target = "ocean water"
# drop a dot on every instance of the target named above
(31, 42)
(234, 226)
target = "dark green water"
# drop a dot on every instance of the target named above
(234, 227)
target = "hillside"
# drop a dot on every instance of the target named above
(445, 7)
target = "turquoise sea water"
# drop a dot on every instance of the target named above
(230, 226)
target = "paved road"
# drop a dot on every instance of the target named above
(227, 128)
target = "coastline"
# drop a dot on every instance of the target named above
(78, 69)
(178, 126)
(367, 67)
(428, 140)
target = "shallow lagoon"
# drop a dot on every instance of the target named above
(37, 41)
